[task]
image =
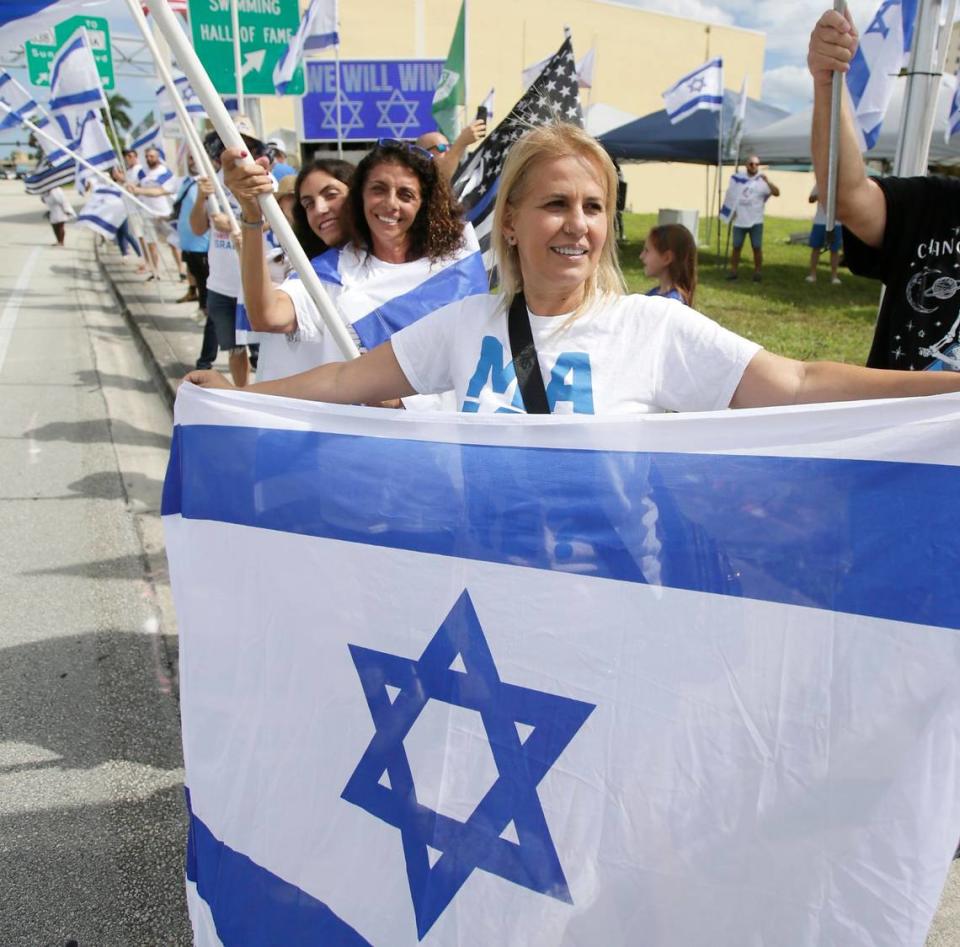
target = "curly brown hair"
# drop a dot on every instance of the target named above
(343, 171)
(437, 230)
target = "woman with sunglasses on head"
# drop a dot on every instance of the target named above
(405, 239)
(599, 350)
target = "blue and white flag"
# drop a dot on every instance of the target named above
(75, 86)
(151, 136)
(317, 30)
(700, 89)
(190, 99)
(53, 150)
(50, 174)
(18, 103)
(104, 211)
(732, 197)
(377, 305)
(675, 679)
(21, 20)
(94, 147)
(953, 120)
(883, 51)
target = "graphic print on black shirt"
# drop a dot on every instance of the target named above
(919, 262)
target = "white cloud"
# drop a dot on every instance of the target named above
(693, 9)
(787, 86)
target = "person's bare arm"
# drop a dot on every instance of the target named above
(860, 202)
(774, 190)
(371, 379)
(449, 161)
(774, 380)
(268, 309)
(199, 223)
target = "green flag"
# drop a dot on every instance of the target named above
(452, 88)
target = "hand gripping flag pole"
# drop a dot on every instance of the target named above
(200, 156)
(40, 133)
(833, 148)
(190, 64)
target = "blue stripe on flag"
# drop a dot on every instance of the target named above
(700, 101)
(241, 320)
(484, 202)
(252, 906)
(845, 535)
(327, 266)
(104, 226)
(467, 277)
(20, 9)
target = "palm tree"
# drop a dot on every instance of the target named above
(118, 106)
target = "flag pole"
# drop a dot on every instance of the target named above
(336, 50)
(199, 153)
(237, 59)
(217, 112)
(466, 64)
(719, 165)
(66, 150)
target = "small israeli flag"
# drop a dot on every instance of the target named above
(953, 121)
(700, 89)
(16, 98)
(883, 51)
(317, 30)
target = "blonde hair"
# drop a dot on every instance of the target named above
(545, 143)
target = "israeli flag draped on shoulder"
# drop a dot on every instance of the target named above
(670, 679)
(378, 301)
(317, 30)
(883, 51)
(21, 20)
(104, 211)
(700, 89)
(732, 197)
(75, 86)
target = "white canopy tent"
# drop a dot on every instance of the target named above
(788, 141)
(601, 118)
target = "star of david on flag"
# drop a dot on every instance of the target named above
(664, 679)
(532, 861)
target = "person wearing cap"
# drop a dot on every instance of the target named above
(223, 261)
(277, 152)
(447, 157)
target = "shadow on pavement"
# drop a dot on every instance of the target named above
(85, 432)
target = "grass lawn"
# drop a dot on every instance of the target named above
(783, 313)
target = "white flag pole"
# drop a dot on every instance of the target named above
(200, 156)
(190, 64)
(337, 97)
(60, 146)
(237, 59)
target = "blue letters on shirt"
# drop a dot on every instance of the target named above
(570, 380)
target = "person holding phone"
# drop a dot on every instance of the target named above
(447, 157)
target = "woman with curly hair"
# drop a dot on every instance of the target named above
(400, 226)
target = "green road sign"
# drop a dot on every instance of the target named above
(43, 48)
(266, 27)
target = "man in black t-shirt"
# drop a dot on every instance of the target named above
(903, 231)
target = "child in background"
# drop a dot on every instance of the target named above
(670, 256)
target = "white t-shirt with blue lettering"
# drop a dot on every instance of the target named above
(627, 354)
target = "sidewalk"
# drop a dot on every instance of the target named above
(167, 332)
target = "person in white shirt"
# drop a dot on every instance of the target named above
(135, 217)
(59, 212)
(156, 187)
(748, 217)
(599, 350)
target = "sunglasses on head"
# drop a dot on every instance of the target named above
(404, 146)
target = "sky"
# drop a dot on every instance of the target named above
(786, 82)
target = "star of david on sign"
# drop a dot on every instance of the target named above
(350, 117)
(388, 118)
(480, 842)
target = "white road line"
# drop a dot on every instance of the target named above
(9, 318)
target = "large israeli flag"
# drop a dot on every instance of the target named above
(104, 212)
(883, 51)
(677, 679)
(700, 89)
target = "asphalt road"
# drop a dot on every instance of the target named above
(92, 820)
